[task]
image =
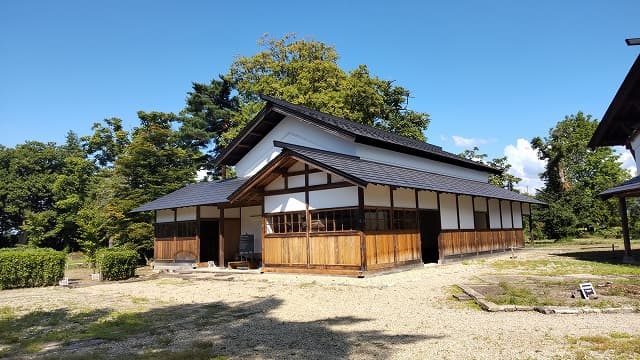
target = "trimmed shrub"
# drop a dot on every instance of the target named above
(21, 268)
(117, 264)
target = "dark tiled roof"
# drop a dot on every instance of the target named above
(203, 193)
(628, 187)
(383, 174)
(377, 137)
(622, 117)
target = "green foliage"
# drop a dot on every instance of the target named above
(306, 72)
(30, 267)
(504, 179)
(117, 264)
(574, 176)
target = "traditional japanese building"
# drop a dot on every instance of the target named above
(318, 193)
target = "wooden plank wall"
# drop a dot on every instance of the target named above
(289, 250)
(387, 249)
(175, 249)
(460, 242)
(334, 250)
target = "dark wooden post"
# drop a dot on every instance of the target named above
(221, 238)
(198, 245)
(419, 225)
(392, 228)
(307, 214)
(622, 208)
(531, 227)
(363, 242)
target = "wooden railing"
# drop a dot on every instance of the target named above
(176, 248)
(460, 242)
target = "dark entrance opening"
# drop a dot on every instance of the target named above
(429, 231)
(209, 244)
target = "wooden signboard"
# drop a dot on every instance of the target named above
(587, 290)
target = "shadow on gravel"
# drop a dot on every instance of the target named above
(605, 256)
(244, 330)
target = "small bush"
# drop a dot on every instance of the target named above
(117, 264)
(21, 268)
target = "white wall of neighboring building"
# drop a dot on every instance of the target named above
(251, 223)
(465, 204)
(517, 215)
(506, 214)
(494, 214)
(448, 212)
(377, 195)
(415, 162)
(294, 131)
(428, 200)
(333, 198)
(635, 145)
(164, 216)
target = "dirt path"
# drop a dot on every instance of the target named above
(399, 316)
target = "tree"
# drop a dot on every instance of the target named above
(210, 108)
(573, 178)
(306, 72)
(504, 179)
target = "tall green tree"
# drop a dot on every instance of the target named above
(504, 179)
(306, 72)
(574, 176)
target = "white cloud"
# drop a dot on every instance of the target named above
(470, 142)
(525, 165)
(627, 161)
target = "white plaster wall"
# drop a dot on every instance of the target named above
(284, 203)
(526, 209)
(494, 214)
(480, 203)
(295, 181)
(465, 204)
(299, 166)
(164, 216)
(336, 179)
(250, 223)
(517, 215)
(415, 162)
(376, 195)
(232, 213)
(187, 213)
(427, 199)
(317, 178)
(506, 214)
(404, 198)
(448, 211)
(209, 212)
(293, 131)
(277, 184)
(333, 198)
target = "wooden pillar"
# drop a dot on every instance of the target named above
(175, 238)
(531, 227)
(440, 242)
(475, 230)
(221, 238)
(622, 208)
(419, 225)
(363, 240)
(392, 228)
(307, 214)
(198, 233)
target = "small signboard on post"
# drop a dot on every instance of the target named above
(587, 290)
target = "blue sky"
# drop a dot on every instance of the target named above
(488, 72)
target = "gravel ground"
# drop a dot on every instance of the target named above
(401, 315)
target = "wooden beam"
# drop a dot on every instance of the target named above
(303, 172)
(307, 188)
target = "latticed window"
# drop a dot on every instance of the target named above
(405, 219)
(334, 220)
(186, 229)
(481, 220)
(164, 230)
(377, 219)
(283, 223)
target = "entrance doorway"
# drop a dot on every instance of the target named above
(209, 240)
(429, 231)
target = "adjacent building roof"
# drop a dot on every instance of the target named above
(275, 110)
(203, 193)
(364, 172)
(628, 188)
(622, 118)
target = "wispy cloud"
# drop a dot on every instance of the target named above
(470, 142)
(626, 160)
(525, 165)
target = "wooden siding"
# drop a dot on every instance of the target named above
(463, 242)
(388, 248)
(328, 250)
(284, 250)
(176, 248)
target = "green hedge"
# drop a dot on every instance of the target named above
(21, 268)
(117, 264)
